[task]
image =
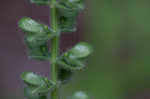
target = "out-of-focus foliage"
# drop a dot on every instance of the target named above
(120, 33)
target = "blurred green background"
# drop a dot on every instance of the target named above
(119, 31)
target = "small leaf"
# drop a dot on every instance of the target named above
(46, 87)
(37, 47)
(37, 86)
(36, 38)
(70, 8)
(40, 2)
(65, 11)
(74, 58)
(39, 53)
(41, 90)
(71, 64)
(32, 79)
(31, 94)
(80, 95)
(29, 25)
(64, 75)
(67, 24)
(33, 40)
(68, 11)
(81, 50)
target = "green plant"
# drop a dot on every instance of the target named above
(37, 36)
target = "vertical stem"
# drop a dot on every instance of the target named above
(54, 50)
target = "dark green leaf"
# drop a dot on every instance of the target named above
(80, 95)
(73, 3)
(69, 8)
(46, 87)
(42, 90)
(64, 75)
(71, 64)
(37, 47)
(40, 2)
(39, 53)
(67, 24)
(30, 92)
(33, 40)
(68, 11)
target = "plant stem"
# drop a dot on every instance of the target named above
(54, 50)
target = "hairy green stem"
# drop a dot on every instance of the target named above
(54, 50)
